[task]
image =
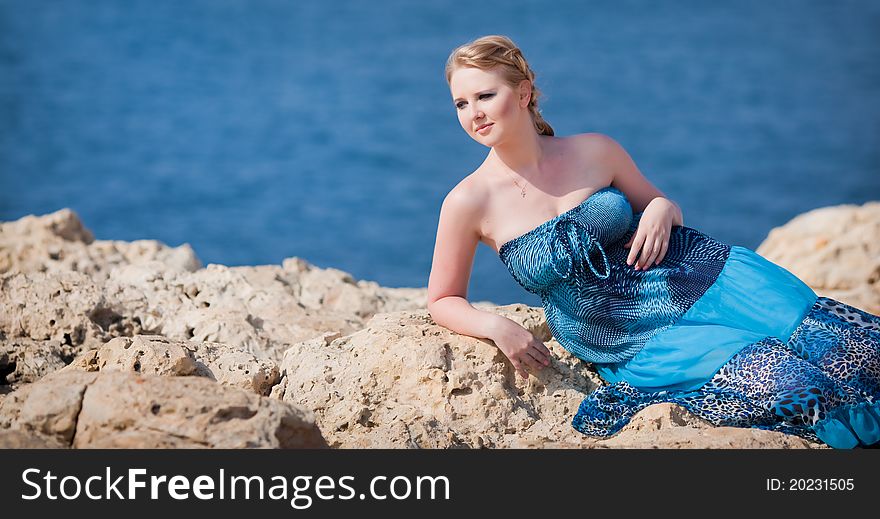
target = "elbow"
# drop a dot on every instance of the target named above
(434, 309)
(432, 306)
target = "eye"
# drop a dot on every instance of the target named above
(458, 105)
(486, 96)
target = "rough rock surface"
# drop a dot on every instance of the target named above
(835, 250)
(124, 410)
(24, 360)
(58, 242)
(232, 367)
(669, 426)
(13, 439)
(149, 333)
(101, 292)
(63, 309)
(404, 381)
(147, 354)
(158, 355)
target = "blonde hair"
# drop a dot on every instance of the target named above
(489, 52)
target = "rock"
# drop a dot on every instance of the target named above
(256, 309)
(336, 290)
(147, 354)
(24, 360)
(144, 287)
(835, 250)
(158, 355)
(10, 405)
(26, 440)
(58, 242)
(123, 410)
(51, 406)
(65, 308)
(669, 426)
(368, 360)
(231, 367)
(404, 381)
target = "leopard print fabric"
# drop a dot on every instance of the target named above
(831, 363)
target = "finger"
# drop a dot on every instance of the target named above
(634, 251)
(663, 251)
(531, 362)
(652, 255)
(539, 358)
(646, 250)
(544, 349)
(655, 249)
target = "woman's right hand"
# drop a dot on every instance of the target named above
(521, 347)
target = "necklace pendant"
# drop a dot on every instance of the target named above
(523, 193)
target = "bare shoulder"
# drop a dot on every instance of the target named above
(593, 153)
(467, 200)
(603, 153)
(468, 195)
(595, 144)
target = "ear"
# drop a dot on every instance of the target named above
(525, 93)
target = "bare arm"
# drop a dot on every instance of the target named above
(454, 248)
(649, 244)
(627, 177)
(457, 239)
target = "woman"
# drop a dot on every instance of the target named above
(664, 312)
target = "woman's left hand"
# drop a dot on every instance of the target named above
(651, 240)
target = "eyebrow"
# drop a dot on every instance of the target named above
(457, 99)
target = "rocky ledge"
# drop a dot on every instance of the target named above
(137, 345)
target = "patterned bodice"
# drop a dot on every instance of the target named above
(597, 306)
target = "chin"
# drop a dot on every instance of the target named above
(489, 140)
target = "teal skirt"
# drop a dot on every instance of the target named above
(752, 298)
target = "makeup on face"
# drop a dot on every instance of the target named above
(483, 102)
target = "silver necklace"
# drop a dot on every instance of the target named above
(522, 188)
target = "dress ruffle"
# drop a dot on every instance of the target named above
(849, 426)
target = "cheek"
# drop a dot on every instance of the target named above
(505, 108)
(463, 121)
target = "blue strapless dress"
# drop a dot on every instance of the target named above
(666, 333)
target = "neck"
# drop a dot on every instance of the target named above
(521, 153)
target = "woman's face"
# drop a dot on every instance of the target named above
(483, 99)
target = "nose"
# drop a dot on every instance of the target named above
(478, 115)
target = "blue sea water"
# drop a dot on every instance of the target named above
(258, 130)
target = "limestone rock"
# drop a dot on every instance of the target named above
(336, 290)
(235, 368)
(158, 355)
(669, 426)
(66, 308)
(10, 405)
(147, 354)
(24, 360)
(117, 409)
(368, 360)
(144, 287)
(58, 242)
(12, 439)
(835, 250)
(404, 381)
(259, 310)
(51, 406)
